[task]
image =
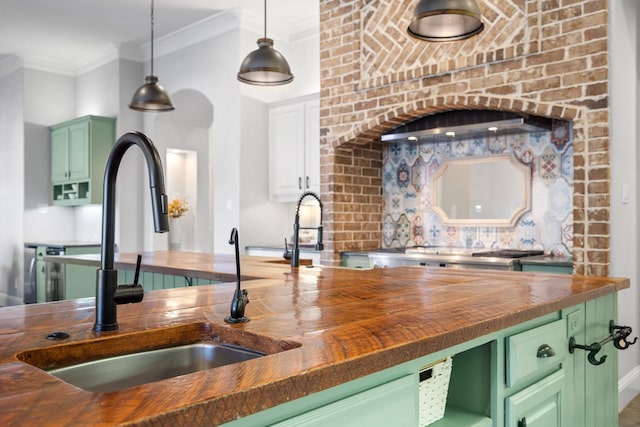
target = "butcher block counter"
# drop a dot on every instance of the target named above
(321, 328)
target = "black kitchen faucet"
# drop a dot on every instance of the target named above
(295, 257)
(108, 293)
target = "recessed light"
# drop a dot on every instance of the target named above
(492, 128)
(412, 138)
(450, 133)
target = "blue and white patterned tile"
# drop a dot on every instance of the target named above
(549, 168)
(409, 152)
(388, 231)
(478, 147)
(497, 144)
(459, 148)
(538, 141)
(567, 163)
(561, 199)
(417, 231)
(403, 230)
(395, 153)
(551, 234)
(561, 134)
(410, 202)
(403, 175)
(399, 190)
(527, 232)
(418, 174)
(539, 199)
(487, 237)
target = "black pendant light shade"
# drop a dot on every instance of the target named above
(265, 66)
(445, 20)
(151, 96)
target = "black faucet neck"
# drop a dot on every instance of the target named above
(106, 284)
(295, 256)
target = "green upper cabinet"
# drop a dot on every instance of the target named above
(79, 152)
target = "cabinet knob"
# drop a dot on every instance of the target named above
(522, 422)
(545, 350)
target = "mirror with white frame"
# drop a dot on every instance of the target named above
(482, 191)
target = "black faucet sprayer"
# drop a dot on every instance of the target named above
(295, 257)
(108, 293)
(240, 296)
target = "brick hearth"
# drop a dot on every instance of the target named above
(546, 58)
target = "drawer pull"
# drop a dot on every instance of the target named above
(545, 350)
(522, 422)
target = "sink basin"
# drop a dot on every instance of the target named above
(120, 372)
(126, 360)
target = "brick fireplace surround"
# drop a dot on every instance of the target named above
(542, 57)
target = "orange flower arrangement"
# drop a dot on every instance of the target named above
(178, 207)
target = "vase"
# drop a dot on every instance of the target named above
(175, 234)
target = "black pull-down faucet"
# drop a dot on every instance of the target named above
(108, 293)
(295, 257)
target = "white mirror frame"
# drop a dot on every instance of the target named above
(525, 186)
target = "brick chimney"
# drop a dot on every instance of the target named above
(545, 58)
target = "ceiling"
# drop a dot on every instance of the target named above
(70, 30)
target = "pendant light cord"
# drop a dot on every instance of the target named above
(265, 19)
(152, 37)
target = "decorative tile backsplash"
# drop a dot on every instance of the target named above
(408, 169)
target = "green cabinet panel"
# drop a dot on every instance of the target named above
(541, 268)
(539, 405)
(390, 404)
(353, 260)
(564, 390)
(79, 152)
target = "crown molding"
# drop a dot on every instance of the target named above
(197, 32)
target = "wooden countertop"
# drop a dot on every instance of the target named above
(350, 323)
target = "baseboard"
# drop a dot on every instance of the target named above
(628, 387)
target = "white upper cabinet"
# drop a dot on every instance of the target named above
(294, 148)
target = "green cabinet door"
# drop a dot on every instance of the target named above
(59, 155)
(79, 151)
(539, 405)
(391, 404)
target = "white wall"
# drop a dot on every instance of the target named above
(624, 173)
(11, 171)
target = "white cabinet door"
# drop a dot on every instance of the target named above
(294, 148)
(312, 146)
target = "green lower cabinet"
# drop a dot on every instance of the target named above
(539, 405)
(81, 280)
(521, 376)
(388, 404)
(353, 260)
(540, 268)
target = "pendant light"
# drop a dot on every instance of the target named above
(445, 20)
(265, 66)
(151, 96)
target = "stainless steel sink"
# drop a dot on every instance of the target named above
(122, 360)
(120, 372)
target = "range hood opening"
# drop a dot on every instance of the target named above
(464, 124)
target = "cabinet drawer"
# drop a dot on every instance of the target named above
(539, 405)
(523, 358)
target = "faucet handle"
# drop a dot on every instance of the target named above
(127, 294)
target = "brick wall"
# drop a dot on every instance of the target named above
(547, 58)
